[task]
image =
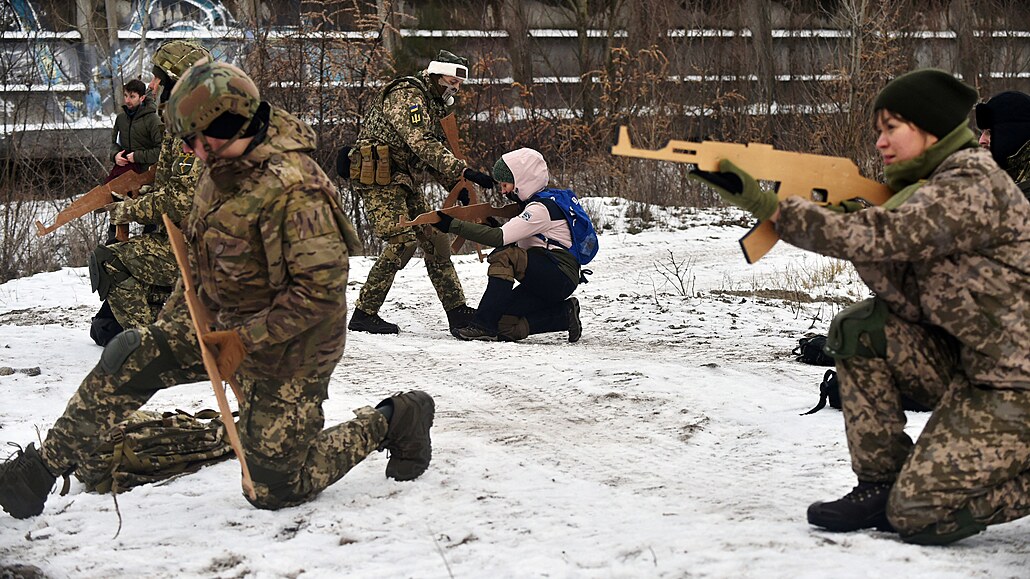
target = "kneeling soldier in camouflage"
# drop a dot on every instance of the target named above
(269, 250)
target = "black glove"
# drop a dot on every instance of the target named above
(445, 222)
(482, 179)
(738, 188)
(343, 162)
(463, 196)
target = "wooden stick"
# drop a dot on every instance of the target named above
(202, 322)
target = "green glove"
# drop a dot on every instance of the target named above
(738, 188)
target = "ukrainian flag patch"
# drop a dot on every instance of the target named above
(415, 114)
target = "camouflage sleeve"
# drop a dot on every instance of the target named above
(951, 212)
(300, 236)
(177, 174)
(408, 113)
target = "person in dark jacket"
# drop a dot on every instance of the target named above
(1004, 123)
(137, 134)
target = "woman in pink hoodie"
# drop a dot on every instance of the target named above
(531, 249)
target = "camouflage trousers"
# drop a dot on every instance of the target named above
(291, 459)
(136, 300)
(972, 457)
(384, 207)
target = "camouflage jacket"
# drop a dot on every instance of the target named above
(956, 254)
(1019, 168)
(172, 192)
(406, 116)
(267, 245)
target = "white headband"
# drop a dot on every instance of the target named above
(448, 69)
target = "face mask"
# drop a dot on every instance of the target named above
(449, 91)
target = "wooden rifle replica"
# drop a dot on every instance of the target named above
(450, 130)
(126, 185)
(477, 213)
(818, 178)
(202, 324)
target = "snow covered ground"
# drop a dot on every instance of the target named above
(666, 443)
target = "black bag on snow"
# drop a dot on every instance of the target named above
(149, 446)
(810, 351)
(829, 391)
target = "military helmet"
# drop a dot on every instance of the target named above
(208, 90)
(174, 57)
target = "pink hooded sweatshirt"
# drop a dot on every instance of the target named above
(531, 176)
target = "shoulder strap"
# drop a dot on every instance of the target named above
(414, 81)
(555, 212)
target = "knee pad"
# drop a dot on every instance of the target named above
(274, 489)
(868, 317)
(509, 263)
(512, 328)
(149, 366)
(101, 263)
(963, 525)
(404, 247)
(119, 349)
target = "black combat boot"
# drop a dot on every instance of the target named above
(474, 331)
(407, 438)
(865, 507)
(25, 483)
(459, 317)
(373, 324)
(575, 327)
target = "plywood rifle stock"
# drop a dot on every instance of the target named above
(450, 130)
(819, 178)
(202, 324)
(125, 185)
(476, 213)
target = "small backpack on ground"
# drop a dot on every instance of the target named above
(584, 237)
(810, 351)
(829, 391)
(150, 446)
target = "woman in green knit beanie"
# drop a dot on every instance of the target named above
(947, 259)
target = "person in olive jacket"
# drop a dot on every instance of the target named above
(137, 134)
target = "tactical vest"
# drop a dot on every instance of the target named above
(376, 130)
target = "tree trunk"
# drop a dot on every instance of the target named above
(968, 56)
(759, 20)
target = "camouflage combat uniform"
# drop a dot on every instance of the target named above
(948, 261)
(406, 116)
(135, 277)
(267, 244)
(144, 270)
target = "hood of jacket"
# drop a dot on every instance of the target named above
(529, 170)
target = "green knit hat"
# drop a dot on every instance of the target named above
(502, 174)
(932, 99)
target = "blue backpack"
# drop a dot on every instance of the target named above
(584, 237)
